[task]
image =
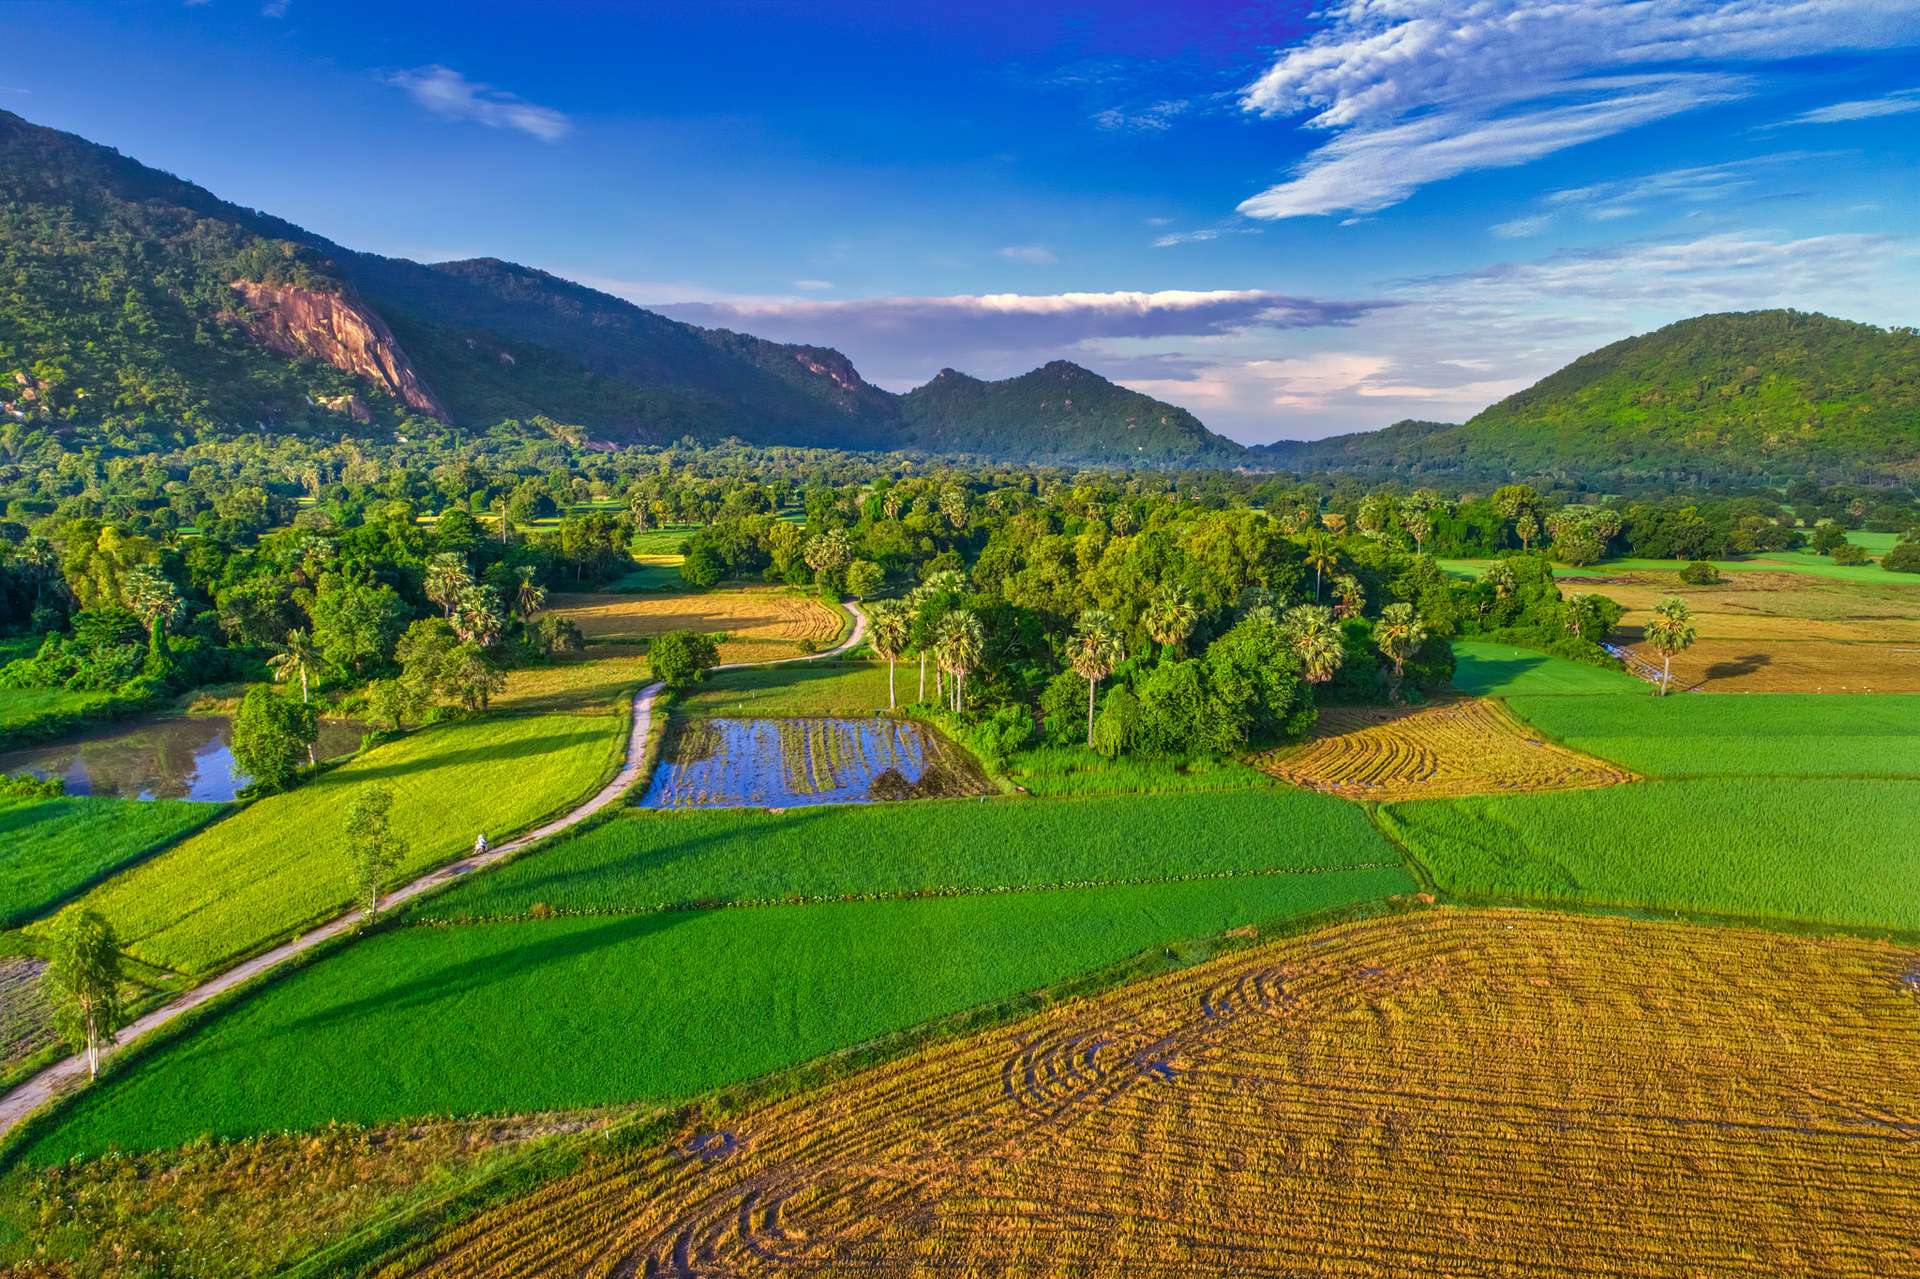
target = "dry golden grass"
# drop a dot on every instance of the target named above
(1465, 747)
(762, 624)
(1493, 1093)
(1782, 632)
(587, 683)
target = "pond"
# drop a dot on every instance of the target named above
(807, 759)
(178, 757)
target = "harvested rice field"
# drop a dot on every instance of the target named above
(761, 624)
(1471, 746)
(793, 761)
(26, 1017)
(1489, 1093)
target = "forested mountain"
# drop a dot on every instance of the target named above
(1058, 410)
(134, 305)
(1754, 397)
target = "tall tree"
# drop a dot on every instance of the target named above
(1323, 557)
(296, 657)
(1314, 637)
(1350, 601)
(1169, 618)
(529, 594)
(1399, 634)
(83, 981)
(889, 629)
(1093, 651)
(270, 735)
(446, 578)
(371, 843)
(1670, 630)
(960, 646)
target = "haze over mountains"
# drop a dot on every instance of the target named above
(134, 304)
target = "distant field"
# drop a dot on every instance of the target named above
(1820, 850)
(761, 623)
(1500, 670)
(1075, 770)
(281, 862)
(1451, 1093)
(1801, 562)
(648, 860)
(1470, 746)
(564, 1013)
(1784, 735)
(53, 848)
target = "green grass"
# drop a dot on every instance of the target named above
(1076, 770)
(1876, 544)
(1787, 735)
(646, 860)
(1500, 670)
(556, 1014)
(51, 849)
(281, 863)
(1818, 850)
(834, 687)
(30, 714)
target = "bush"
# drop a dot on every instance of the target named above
(1700, 573)
(1117, 728)
(702, 567)
(1848, 553)
(1903, 558)
(27, 786)
(681, 658)
(1009, 730)
(1063, 709)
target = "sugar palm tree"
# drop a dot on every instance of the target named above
(1349, 600)
(446, 578)
(530, 595)
(1670, 630)
(1169, 618)
(1315, 638)
(958, 651)
(1399, 634)
(476, 616)
(1323, 556)
(890, 630)
(1093, 652)
(296, 657)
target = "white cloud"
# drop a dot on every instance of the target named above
(1173, 238)
(1156, 118)
(1520, 228)
(1899, 102)
(446, 92)
(1030, 254)
(275, 8)
(1417, 91)
(812, 286)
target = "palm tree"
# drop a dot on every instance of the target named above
(476, 616)
(1670, 631)
(531, 596)
(890, 628)
(1093, 652)
(296, 657)
(1399, 634)
(1323, 556)
(1349, 600)
(1313, 635)
(958, 650)
(1169, 618)
(446, 577)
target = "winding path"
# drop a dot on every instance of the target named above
(38, 1090)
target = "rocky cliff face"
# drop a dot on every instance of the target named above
(335, 328)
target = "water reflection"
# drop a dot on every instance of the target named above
(812, 759)
(180, 757)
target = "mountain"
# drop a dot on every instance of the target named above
(135, 304)
(1060, 410)
(1757, 397)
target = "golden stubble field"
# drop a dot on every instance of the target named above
(1493, 1093)
(1781, 632)
(1461, 746)
(762, 624)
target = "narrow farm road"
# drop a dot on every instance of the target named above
(35, 1092)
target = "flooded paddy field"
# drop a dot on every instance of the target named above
(792, 761)
(175, 757)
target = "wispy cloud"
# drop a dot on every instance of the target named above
(1625, 197)
(1157, 117)
(1418, 91)
(1030, 254)
(812, 286)
(1899, 102)
(1522, 227)
(447, 93)
(275, 8)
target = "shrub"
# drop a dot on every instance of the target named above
(681, 658)
(1903, 558)
(1848, 553)
(702, 567)
(1700, 573)
(1117, 728)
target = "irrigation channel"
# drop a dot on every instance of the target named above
(42, 1088)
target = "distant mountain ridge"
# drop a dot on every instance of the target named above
(1753, 397)
(134, 302)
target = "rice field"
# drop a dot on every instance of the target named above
(836, 686)
(26, 1017)
(1483, 669)
(54, 848)
(1076, 770)
(1461, 747)
(795, 761)
(1453, 1092)
(1781, 735)
(761, 623)
(1824, 851)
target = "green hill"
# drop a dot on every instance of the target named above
(135, 306)
(1762, 396)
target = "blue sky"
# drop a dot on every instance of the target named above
(1294, 220)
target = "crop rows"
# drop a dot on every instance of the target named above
(26, 1017)
(761, 624)
(1488, 1093)
(1472, 747)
